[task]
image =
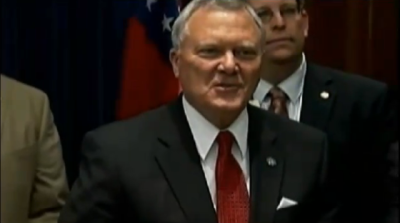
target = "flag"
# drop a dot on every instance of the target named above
(147, 79)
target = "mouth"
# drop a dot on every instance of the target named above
(227, 87)
(279, 40)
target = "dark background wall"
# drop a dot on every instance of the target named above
(357, 36)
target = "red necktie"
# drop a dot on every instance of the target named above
(232, 196)
(278, 101)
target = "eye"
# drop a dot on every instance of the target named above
(209, 52)
(246, 53)
(265, 15)
(288, 11)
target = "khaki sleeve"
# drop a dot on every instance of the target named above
(50, 187)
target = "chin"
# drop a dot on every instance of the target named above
(227, 100)
(281, 55)
(229, 105)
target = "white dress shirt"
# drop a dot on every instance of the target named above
(205, 134)
(292, 86)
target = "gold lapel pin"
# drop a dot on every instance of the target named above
(324, 95)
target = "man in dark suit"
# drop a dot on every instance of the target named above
(208, 157)
(354, 111)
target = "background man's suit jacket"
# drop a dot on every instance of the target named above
(33, 179)
(147, 169)
(360, 125)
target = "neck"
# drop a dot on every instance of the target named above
(275, 72)
(220, 118)
(223, 120)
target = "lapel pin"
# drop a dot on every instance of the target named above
(324, 95)
(271, 161)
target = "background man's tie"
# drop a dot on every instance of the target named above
(278, 101)
(232, 196)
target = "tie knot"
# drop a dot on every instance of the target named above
(278, 101)
(277, 93)
(225, 142)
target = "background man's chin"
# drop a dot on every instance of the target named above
(281, 57)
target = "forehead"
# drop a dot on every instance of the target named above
(208, 23)
(270, 3)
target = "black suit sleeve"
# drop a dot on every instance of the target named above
(327, 203)
(386, 128)
(323, 207)
(385, 119)
(94, 195)
(393, 216)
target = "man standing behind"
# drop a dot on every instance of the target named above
(352, 110)
(207, 157)
(33, 180)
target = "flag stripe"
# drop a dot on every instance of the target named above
(147, 79)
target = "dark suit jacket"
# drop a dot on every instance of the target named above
(147, 169)
(394, 182)
(360, 125)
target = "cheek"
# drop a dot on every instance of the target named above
(299, 29)
(196, 76)
(251, 73)
(203, 71)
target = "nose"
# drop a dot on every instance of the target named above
(277, 21)
(228, 64)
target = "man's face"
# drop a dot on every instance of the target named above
(286, 27)
(218, 63)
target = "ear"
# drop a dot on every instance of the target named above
(174, 59)
(304, 19)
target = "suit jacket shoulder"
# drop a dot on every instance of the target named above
(352, 99)
(23, 101)
(125, 134)
(23, 109)
(348, 81)
(12, 89)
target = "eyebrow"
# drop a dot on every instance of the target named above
(248, 44)
(261, 9)
(288, 4)
(207, 43)
(266, 8)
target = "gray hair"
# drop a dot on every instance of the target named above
(179, 28)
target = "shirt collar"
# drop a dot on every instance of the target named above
(205, 133)
(292, 86)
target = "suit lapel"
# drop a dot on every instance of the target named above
(180, 162)
(265, 178)
(318, 98)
